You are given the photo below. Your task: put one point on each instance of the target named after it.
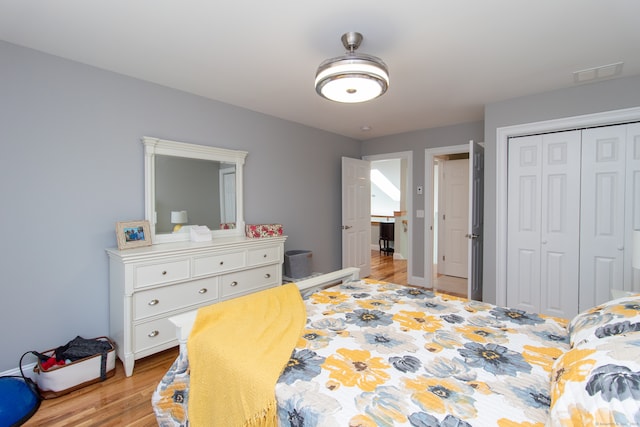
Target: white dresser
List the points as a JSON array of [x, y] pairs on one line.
[[150, 284]]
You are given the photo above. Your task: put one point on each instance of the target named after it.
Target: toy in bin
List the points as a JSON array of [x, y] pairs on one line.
[[74, 365]]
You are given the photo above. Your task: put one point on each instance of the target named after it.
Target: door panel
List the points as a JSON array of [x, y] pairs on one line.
[[632, 205], [603, 206], [544, 203], [356, 215], [523, 254], [456, 218], [476, 220], [560, 226]]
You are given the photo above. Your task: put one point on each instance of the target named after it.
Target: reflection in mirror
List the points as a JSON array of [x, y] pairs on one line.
[[196, 184], [188, 185]]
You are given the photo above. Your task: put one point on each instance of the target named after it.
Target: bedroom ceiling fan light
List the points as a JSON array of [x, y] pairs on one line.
[[353, 77]]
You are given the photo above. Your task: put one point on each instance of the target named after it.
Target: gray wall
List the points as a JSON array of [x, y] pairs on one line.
[[72, 165], [575, 101], [417, 142]]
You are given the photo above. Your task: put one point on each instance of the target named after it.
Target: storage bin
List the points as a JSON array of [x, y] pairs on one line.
[[297, 264], [60, 380], [257, 231]]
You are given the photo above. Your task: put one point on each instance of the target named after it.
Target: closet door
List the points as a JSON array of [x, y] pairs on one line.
[[523, 241], [560, 238], [543, 230], [632, 205], [602, 233]]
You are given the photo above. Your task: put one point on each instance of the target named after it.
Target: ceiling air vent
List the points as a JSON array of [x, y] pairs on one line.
[[598, 73]]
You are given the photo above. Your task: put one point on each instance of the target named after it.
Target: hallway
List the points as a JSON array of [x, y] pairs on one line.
[[384, 267]]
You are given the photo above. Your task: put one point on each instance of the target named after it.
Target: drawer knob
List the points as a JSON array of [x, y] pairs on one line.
[[153, 334], [202, 291], [153, 302], [164, 273], [266, 276], [264, 256], [221, 262], [234, 283]]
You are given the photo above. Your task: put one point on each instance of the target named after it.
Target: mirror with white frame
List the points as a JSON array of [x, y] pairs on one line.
[[188, 185]]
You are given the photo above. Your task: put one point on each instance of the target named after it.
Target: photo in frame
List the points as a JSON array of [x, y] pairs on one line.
[[133, 234]]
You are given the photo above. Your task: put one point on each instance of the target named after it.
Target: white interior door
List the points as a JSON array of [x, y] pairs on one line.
[[560, 225], [228, 195], [476, 221], [356, 215], [453, 254], [543, 223], [632, 206], [523, 239], [603, 206]]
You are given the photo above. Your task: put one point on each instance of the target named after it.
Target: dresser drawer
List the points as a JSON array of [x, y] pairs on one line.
[[218, 263], [157, 301], [150, 334], [264, 255], [247, 281], [166, 272]]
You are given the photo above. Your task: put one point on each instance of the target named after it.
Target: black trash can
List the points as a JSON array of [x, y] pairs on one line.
[[297, 264]]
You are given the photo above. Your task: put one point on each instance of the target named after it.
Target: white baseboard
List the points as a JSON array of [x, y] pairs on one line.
[[15, 372], [417, 281]]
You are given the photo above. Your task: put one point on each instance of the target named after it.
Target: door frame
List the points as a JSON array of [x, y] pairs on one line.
[[429, 155], [502, 141], [408, 156]]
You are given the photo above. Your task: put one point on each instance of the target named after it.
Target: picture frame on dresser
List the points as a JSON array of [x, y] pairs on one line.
[[133, 234]]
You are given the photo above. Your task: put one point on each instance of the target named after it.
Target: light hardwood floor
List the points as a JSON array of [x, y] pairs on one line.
[[122, 401]]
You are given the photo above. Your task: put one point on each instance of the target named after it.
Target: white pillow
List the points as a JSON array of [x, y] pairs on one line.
[[597, 383], [616, 317]]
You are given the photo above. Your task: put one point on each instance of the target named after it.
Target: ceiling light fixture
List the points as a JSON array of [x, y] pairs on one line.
[[353, 77]]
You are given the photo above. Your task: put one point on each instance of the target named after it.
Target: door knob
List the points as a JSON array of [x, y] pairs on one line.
[[346, 227]]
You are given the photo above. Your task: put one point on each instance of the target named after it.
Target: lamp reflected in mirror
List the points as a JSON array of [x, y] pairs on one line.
[[179, 218]]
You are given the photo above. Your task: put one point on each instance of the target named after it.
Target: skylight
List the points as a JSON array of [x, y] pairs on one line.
[[385, 185]]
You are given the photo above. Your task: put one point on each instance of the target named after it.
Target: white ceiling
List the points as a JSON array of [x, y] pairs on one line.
[[447, 59]]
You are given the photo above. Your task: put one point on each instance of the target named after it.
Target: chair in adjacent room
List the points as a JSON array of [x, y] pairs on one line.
[[386, 237]]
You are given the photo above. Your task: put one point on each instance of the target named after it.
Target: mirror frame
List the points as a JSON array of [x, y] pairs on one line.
[[156, 146]]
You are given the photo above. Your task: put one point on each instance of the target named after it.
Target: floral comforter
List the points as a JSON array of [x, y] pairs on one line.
[[380, 354]]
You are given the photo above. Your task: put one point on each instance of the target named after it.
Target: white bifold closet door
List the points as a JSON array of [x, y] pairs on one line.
[[544, 229], [574, 201], [610, 197]]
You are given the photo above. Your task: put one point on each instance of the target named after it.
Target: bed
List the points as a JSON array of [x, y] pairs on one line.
[[380, 354]]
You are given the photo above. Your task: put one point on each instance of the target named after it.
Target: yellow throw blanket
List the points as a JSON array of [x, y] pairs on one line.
[[237, 350]]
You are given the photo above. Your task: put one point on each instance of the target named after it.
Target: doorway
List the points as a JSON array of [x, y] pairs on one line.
[[450, 219], [399, 167], [470, 284]]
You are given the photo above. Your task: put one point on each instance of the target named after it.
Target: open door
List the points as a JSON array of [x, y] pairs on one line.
[[476, 220], [356, 215], [453, 256]]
